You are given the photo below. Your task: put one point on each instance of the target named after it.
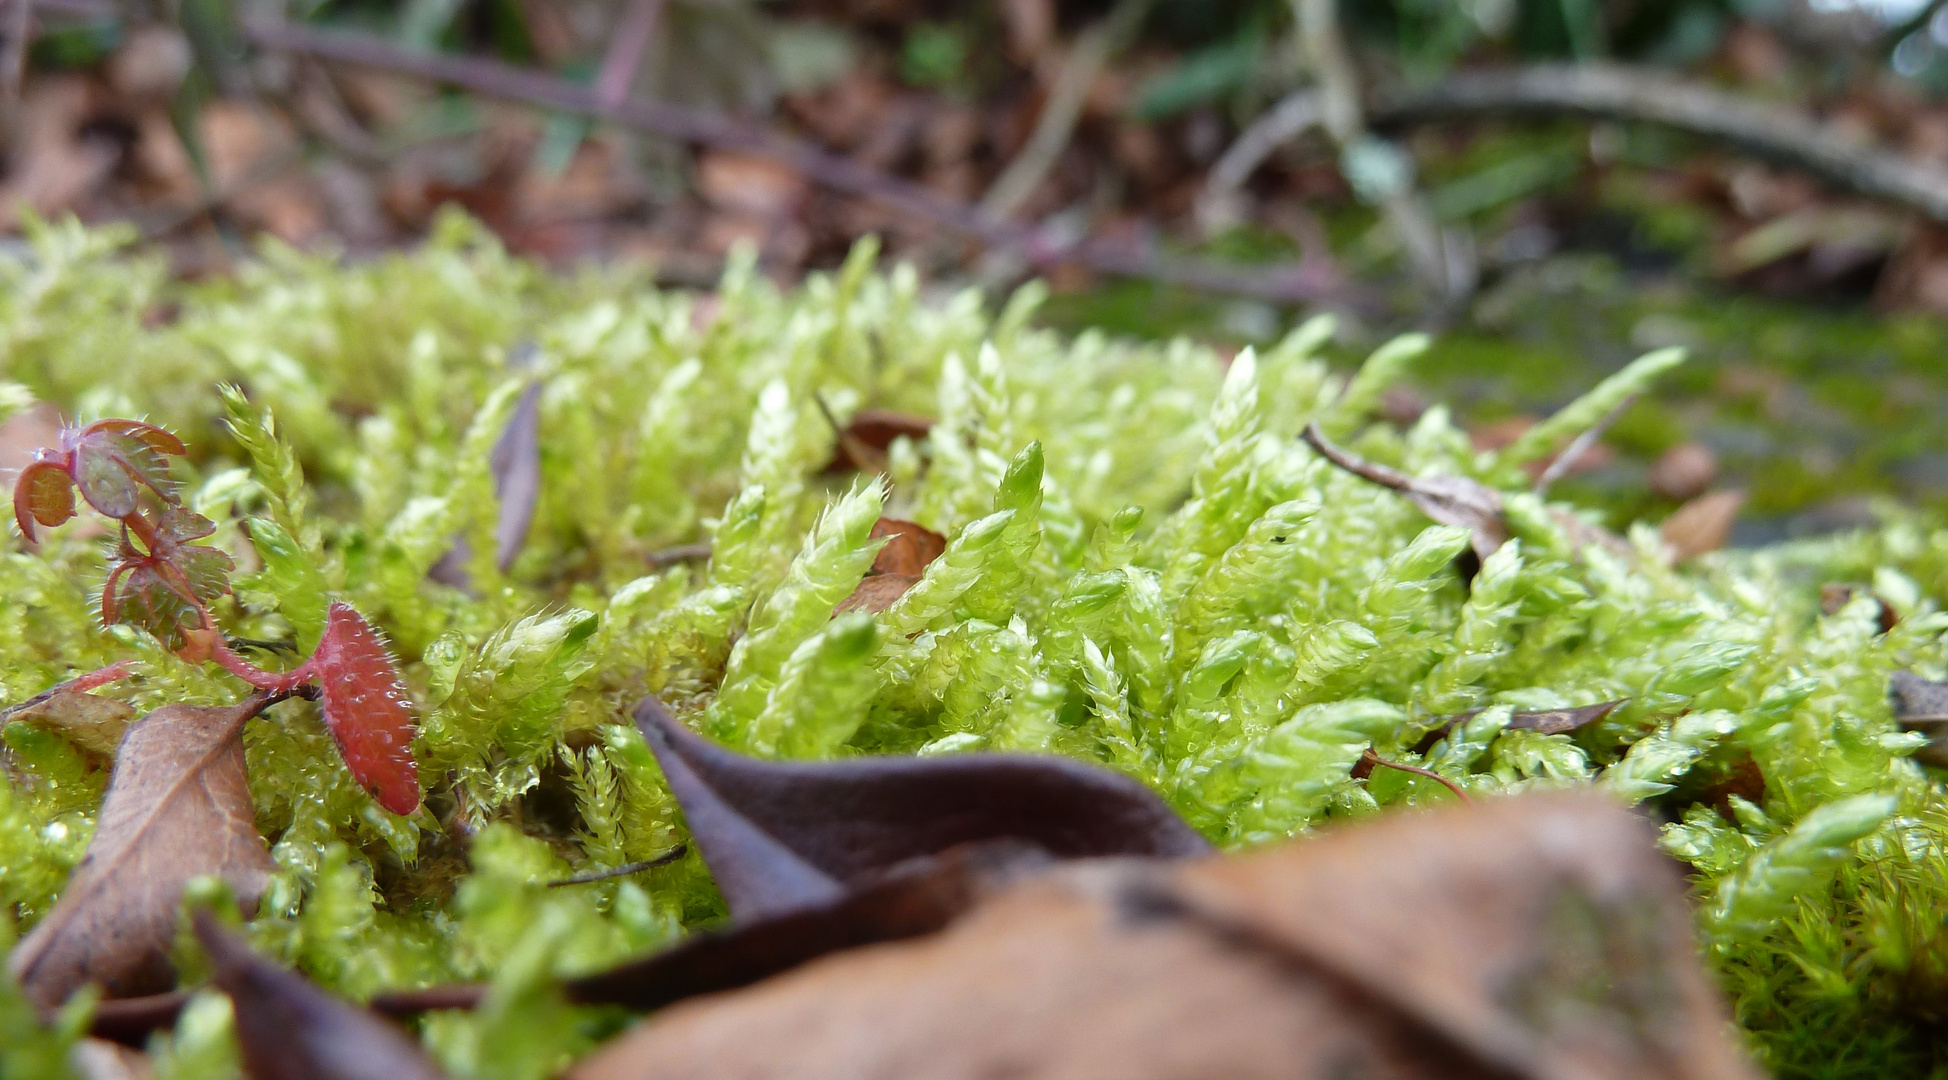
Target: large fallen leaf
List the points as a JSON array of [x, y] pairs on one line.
[[1920, 705], [290, 1029], [779, 835], [1539, 936], [178, 807]]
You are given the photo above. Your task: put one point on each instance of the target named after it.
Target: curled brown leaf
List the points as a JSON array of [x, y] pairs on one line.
[[779, 835], [290, 1029]]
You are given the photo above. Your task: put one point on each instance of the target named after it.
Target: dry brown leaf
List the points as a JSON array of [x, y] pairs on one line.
[[1920, 705], [877, 593], [1544, 722], [150, 65], [254, 161], [1701, 525], [1534, 936], [911, 548], [753, 186], [1684, 471], [93, 724], [55, 162], [178, 807], [864, 440]]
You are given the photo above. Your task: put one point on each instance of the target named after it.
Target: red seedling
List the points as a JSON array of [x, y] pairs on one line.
[[163, 581]]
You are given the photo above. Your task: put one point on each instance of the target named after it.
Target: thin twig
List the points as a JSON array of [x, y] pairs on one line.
[[1277, 283], [862, 455], [1572, 453], [625, 869], [13, 62], [1612, 92], [1294, 115], [626, 51], [681, 553], [1442, 265], [1064, 107], [1371, 759]]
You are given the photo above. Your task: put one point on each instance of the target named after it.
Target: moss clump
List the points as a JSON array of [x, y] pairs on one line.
[[1146, 567]]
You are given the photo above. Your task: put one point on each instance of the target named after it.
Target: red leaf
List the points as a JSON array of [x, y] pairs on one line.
[[162, 442], [44, 492], [365, 708], [111, 460]]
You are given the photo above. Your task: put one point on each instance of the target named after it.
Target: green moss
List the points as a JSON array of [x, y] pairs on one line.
[[1145, 568]]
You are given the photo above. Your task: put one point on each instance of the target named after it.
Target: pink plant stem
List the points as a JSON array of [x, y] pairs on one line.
[[286, 682], [114, 672]]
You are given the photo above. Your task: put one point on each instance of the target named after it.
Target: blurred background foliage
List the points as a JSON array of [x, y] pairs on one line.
[[1815, 315]]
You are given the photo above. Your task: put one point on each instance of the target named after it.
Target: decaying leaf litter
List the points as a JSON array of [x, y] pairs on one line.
[[1238, 652]]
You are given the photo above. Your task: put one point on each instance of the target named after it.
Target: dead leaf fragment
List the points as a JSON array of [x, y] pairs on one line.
[[1701, 525], [1449, 500], [911, 547], [779, 835], [93, 724], [1921, 705], [1834, 596], [1534, 936], [877, 593], [290, 1029], [861, 445], [1545, 722], [1684, 471], [516, 464], [178, 807]]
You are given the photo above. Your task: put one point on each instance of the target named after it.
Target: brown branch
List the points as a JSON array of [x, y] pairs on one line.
[[626, 51], [1610, 92], [1279, 283], [1371, 759]]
